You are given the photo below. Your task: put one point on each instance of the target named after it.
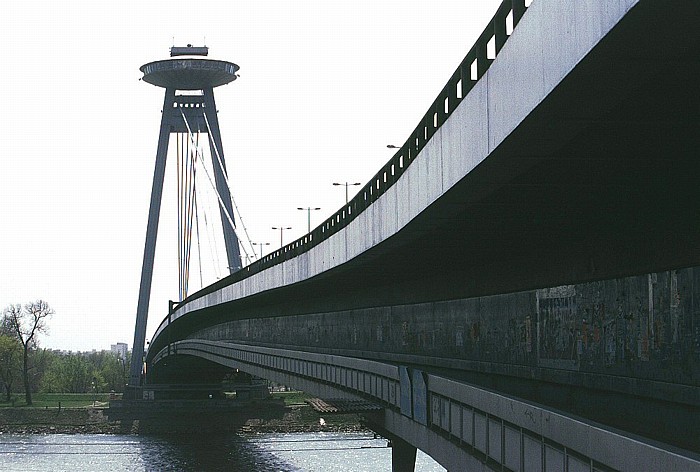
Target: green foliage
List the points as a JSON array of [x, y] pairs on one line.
[[84, 373], [113, 374], [10, 363], [71, 374], [38, 362]]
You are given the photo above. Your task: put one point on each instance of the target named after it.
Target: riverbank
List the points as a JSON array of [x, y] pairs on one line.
[[55, 421], [291, 418]]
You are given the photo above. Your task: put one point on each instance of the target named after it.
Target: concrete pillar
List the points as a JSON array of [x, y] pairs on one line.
[[403, 456]]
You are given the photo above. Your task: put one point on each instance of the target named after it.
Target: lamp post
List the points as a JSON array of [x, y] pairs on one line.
[[346, 185], [281, 228], [261, 247], [308, 210]]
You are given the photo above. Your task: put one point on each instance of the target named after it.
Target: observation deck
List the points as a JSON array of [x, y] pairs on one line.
[[189, 71]]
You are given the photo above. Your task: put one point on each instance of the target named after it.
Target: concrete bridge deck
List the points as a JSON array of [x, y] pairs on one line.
[[540, 224]]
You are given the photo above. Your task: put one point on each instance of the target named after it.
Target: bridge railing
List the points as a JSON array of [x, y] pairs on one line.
[[471, 69]]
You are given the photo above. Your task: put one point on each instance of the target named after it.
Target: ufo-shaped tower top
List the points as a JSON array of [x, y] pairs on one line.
[[187, 70]]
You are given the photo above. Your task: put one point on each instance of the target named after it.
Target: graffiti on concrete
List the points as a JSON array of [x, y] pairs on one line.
[[645, 326]]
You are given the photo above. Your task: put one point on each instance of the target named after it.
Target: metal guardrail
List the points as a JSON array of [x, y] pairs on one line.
[[506, 432], [500, 431], [376, 379], [471, 69]]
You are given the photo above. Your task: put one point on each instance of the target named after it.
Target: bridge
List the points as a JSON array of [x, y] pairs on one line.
[[518, 288]]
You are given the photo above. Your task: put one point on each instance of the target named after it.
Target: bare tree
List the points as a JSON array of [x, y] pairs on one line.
[[26, 324]]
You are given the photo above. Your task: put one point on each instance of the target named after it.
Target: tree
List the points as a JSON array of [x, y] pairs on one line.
[[9, 357], [51, 380], [78, 374], [113, 371], [26, 324], [40, 359], [83, 372], [10, 350]]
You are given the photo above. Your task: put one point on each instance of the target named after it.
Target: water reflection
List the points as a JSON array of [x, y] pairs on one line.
[[308, 452]]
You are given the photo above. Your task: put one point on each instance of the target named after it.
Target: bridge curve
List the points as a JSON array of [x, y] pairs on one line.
[[576, 169], [567, 160]]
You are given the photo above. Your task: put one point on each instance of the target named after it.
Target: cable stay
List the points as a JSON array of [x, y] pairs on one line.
[[211, 182], [213, 248], [199, 247], [233, 200], [188, 216], [198, 152], [186, 190], [209, 229]]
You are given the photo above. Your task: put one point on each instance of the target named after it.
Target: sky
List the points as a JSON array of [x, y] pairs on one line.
[[324, 87]]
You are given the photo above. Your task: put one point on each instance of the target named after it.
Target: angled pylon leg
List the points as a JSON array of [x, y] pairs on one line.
[[150, 246]]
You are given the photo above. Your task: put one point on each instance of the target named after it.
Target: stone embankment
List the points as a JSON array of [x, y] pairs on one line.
[[54, 420], [301, 418], [294, 418]]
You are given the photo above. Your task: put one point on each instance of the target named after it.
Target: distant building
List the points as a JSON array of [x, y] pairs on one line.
[[120, 349]]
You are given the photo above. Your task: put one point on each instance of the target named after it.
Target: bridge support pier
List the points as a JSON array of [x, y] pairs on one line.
[[403, 456]]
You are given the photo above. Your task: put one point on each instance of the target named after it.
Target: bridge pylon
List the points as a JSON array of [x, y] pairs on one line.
[[188, 107]]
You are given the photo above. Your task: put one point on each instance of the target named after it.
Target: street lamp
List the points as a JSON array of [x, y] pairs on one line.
[[308, 210], [346, 185], [261, 247], [281, 231]]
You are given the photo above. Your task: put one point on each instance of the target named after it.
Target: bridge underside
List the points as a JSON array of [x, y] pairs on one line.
[[185, 369]]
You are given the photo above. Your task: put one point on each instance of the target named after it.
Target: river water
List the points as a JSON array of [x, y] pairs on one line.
[[349, 452]]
